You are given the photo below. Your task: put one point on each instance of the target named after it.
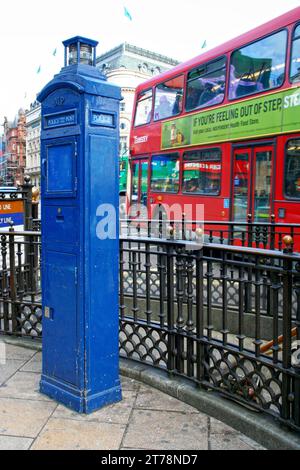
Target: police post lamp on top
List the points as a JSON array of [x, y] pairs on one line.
[[80, 50]]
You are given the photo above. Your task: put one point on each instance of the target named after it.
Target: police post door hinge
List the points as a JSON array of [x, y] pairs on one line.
[[76, 275]]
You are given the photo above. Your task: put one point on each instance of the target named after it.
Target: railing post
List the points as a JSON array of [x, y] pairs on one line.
[[5, 291], [287, 281], [27, 195], [180, 318], [250, 229], [202, 348], [272, 232], [27, 190], [170, 310], [12, 281], [248, 289]]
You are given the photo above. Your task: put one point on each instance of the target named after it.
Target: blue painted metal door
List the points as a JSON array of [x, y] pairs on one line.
[[59, 168], [60, 241], [60, 298]]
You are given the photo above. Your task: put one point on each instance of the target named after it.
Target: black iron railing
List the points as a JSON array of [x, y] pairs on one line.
[[266, 235], [225, 317], [20, 288]]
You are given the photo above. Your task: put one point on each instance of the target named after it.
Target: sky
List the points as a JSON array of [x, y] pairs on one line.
[[31, 30]]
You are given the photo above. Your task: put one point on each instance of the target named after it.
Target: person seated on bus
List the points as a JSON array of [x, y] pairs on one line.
[[177, 107], [164, 108], [192, 98], [186, 186], [191, 186], [293, 188], [194, 185], [212, 94], [242, 86], [247, 87], [212, 187]]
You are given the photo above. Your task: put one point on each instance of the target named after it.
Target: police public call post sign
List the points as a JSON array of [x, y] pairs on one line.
[[11, 212], [275, 113]]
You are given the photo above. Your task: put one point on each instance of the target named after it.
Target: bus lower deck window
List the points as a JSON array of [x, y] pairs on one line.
[[165, 173], [202, 172], [292, 169]]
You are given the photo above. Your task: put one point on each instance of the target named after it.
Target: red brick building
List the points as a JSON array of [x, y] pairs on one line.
[[14, 158]]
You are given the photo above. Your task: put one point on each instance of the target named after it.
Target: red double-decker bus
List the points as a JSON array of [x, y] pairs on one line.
[[223, 130]]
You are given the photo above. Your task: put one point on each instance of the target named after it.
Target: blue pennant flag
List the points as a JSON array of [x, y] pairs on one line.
[[54, 52], [127, 14], [39, 69], [203, 45]]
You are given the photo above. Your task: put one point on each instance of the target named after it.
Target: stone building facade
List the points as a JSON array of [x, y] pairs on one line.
[[13, 161], [33, 128]]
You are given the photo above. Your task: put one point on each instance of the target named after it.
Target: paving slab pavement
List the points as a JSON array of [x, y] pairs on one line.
[[145, 419]]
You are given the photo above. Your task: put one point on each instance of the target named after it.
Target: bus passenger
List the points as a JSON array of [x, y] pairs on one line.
[[164, 109], [192, 98], [177, 108]]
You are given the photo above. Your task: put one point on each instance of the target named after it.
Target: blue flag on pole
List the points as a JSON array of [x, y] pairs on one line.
[[39, 69], [127, 14], [54, 52], [203, 45]]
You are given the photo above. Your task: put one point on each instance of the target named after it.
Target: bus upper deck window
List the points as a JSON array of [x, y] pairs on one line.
[[168, 98], [292, 170], [295, 61], [206, 85], [259, 66], [143, 108]]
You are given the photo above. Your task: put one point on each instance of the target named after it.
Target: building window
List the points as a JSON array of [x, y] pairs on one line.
[[259, 66]]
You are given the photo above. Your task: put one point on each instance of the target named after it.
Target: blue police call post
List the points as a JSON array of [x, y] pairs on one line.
[[79, 169]]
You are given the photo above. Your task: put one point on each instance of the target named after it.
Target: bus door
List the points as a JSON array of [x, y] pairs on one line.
[[252, 183], [139, 185]]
